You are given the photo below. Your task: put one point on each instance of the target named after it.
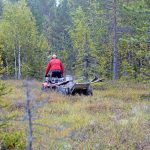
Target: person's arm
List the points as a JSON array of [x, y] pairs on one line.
[[47, 68]]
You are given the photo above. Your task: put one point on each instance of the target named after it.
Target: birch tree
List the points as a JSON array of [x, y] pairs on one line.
[[20, 39]]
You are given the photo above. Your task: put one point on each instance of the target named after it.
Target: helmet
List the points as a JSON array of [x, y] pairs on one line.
[[54, 56]]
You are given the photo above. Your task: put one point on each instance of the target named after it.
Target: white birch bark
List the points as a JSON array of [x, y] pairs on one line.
[[19, 62], [15, 63]]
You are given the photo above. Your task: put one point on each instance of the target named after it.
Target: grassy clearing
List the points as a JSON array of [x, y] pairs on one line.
[[116, 117]]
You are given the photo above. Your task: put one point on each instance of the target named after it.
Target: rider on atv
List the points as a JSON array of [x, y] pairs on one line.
[[55, 66]]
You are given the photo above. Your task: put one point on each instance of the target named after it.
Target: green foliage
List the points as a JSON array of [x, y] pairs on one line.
[[13, 141], [80, 32], [4, 105], [3, 90], [22, 41], [82, 43], [2, 69], [134, 46], [1, 7]]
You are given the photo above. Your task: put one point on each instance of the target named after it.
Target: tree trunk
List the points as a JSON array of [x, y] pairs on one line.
[[115, 53], [29, 113], [19, 63], [7, 70], [15, 63], [85, 58]]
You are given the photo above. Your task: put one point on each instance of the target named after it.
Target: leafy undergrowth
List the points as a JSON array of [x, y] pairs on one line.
[[117, 116]]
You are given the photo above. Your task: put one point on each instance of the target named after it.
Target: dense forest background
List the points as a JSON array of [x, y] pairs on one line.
[[108, 38]]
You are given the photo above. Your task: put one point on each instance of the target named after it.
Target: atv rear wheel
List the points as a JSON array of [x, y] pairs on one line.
[[89, 91]]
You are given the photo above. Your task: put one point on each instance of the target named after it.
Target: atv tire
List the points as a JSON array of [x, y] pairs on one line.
[[89, 91]]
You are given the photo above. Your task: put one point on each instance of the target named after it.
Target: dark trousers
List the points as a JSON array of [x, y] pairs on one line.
[[56, 73]]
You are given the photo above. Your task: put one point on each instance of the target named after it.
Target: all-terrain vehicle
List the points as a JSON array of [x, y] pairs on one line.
[[68, 85]]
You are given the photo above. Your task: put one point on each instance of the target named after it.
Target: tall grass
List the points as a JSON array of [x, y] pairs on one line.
[[115, 117]]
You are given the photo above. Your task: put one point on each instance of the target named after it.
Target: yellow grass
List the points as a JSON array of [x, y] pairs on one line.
[[115, 117]]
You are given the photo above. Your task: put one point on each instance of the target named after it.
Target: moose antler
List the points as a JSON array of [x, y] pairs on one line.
[[96, 79]]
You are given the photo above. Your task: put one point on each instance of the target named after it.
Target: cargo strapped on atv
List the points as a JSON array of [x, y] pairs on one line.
[[68, 86]]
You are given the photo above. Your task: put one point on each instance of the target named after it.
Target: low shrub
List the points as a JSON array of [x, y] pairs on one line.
[[12, 141]]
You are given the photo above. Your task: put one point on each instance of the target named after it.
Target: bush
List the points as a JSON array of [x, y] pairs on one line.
[[12, 141]]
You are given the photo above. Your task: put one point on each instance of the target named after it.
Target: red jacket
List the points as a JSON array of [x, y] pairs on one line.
[[54, 64]]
